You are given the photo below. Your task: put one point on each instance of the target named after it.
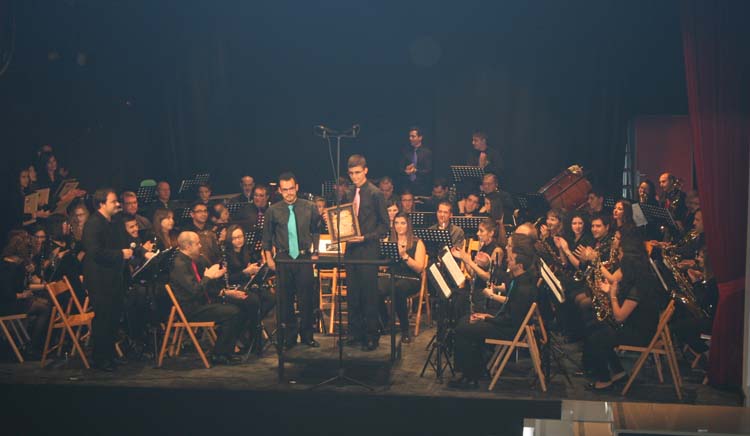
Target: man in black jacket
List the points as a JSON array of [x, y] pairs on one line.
[[362, 296], [471, 332], [198, 289], [103, 275]]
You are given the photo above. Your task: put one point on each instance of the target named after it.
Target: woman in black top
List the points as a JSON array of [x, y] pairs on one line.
[[634, 309], [15, 297], [489, 254], [406, 273]]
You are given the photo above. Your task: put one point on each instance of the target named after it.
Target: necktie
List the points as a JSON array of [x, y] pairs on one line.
[[356, 202], [199, 278], [291, 227], [413, 176]]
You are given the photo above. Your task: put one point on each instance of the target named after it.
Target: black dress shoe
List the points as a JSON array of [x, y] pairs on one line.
[[225, 359], [370, 345], [464, 384], [352, 341], [311, 343], [405, 338]]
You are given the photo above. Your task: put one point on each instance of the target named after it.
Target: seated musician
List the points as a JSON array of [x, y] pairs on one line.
[[505, 322], [622, 217], [406, 202], [647, 193], [549, 235], [247, 183], [469, 205], [439, 193], [320, 203], [386, 187], [693, 204], [251, 214], [503, 204], [63, 261], [242, 264], [130, 207], [209, 240], [444, 214], [688, 246], [392, 208], [165, 235], [406, 273], [16, 295], [635, 315], [601, 251], [576, 234], [595, 203], [338, 195], [488, 259], [219, 215], [78, 215], [687, 325], [198, 288], [204, 193], [672, 198]]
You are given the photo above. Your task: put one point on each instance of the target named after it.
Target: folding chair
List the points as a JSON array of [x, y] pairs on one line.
[[65, 320], [424, 299], [525, 338], [336, 288], [326, 300], [177, 328], [15, 322], [660, 344]]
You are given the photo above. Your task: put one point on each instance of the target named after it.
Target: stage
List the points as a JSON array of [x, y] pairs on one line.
[[189, 397]]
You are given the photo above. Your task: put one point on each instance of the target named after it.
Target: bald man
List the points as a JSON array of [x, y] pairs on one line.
[[198, 288]]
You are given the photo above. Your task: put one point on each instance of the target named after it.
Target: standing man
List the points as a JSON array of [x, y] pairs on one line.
[[483, 156], [293, 228], [369, 205], [103, 275], [416, 163], [247, 183]]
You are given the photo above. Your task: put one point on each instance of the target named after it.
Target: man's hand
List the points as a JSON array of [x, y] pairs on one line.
[[458, 253], [148, 246], [356, 240], [479, 316], [214, 271], [488, 292], [271, 263], [148, 255], [235, 294], [127, 253]]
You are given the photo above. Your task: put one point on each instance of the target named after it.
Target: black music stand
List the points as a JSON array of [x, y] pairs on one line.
[[469, 224], [147, 276], [434, 239], [189, 186], [655, 214], [439, 357], [146, 194], [233, 208], [422, 219], [389, 250], [463, 173]]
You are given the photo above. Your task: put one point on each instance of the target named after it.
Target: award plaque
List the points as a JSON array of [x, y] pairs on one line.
[[343, 219]]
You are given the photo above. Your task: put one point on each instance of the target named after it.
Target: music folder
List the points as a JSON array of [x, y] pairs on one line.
[[437, 278], [450, 264]]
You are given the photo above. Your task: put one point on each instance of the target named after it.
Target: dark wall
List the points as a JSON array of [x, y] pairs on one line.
[[170, 88]]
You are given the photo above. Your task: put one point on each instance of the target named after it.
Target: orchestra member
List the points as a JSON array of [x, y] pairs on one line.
[[130, 207], [198, 288], [501, 203], [634, 311], [576, 235], [103, 275], [204, 193], [247, 183], [595, 203], [165, 235], [489, 255], [209, 240], [672, 198], [362, 297], [338, 195], [483, 156], [392, 208], [622, 217], [219, 215], [415, 164], [386, 187], [444, 214], [692, 203], [320, 203], [292, 228], [406, 273], [503, 323], [406, 201], [136, 300], [439, 193], [469, 205], [647, 193]]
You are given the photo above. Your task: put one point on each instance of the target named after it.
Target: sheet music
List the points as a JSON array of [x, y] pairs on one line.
[[435, 273], [145, 264], [452, 267], [554, 284], [638, 217]]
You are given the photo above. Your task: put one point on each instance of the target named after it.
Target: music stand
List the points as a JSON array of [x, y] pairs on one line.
[[434, 239], [469, 224], [389, 250], [233, 208], [462, 173], [609, 202], [189, 186], [422, 219], [655, 214], [146, 194]]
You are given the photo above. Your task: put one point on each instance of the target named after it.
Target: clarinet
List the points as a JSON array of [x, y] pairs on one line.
[[225, 264]]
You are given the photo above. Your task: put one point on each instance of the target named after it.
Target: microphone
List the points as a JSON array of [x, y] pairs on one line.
[[355, 130]]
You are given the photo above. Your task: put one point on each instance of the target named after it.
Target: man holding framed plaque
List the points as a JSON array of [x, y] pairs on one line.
[[292, 227], [369, 208]]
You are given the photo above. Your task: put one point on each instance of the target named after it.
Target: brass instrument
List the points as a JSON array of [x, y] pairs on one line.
[[684, 294], [600, 301]]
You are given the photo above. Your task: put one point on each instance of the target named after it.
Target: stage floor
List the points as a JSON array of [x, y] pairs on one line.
[[307, 366]]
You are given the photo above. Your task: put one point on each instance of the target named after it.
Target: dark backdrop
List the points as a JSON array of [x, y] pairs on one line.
[[173, 87]]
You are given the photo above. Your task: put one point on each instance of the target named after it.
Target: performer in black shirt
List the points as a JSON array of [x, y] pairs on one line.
[[672, 198], [489, 255], [103, 276], [406, 274], [415, 164], [242, 264], [647, 193], [362, 297], [634, 308], [209, 240], [293, 229], [473, 330], [483, 156]]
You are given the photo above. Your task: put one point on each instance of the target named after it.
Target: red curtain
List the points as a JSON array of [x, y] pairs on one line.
[[715, 45]]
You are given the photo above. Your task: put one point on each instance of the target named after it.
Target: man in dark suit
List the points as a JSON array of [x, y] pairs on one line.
[[362, 297], [198, 289], [415, 164], [103, 275]]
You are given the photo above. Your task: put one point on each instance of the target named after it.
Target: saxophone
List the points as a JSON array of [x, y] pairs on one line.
[[600, 301], [684, 294]]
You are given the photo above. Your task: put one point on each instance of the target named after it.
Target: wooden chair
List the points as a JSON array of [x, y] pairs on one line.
[[325, 300], [177, 328], [14, 321], [337, 288], [423, 299], [660, 344], [525, 338], [65, 319]]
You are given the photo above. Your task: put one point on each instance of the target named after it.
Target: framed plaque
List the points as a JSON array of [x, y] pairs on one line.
[[343, 219]]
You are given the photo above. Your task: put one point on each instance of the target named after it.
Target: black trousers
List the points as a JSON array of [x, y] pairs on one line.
[[108, 305], [599, 349], [38, 310], [362, 301], [137, 311], [231, 318], [469, 342], [402, 289], [296, 280]]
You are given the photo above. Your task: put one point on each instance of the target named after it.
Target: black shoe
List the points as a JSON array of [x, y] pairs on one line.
[[120, 361], [464, 384], [405, 338], [311, 343], [225, 359], [592, 387], [370, 345], [107, 366], [352, 341]]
